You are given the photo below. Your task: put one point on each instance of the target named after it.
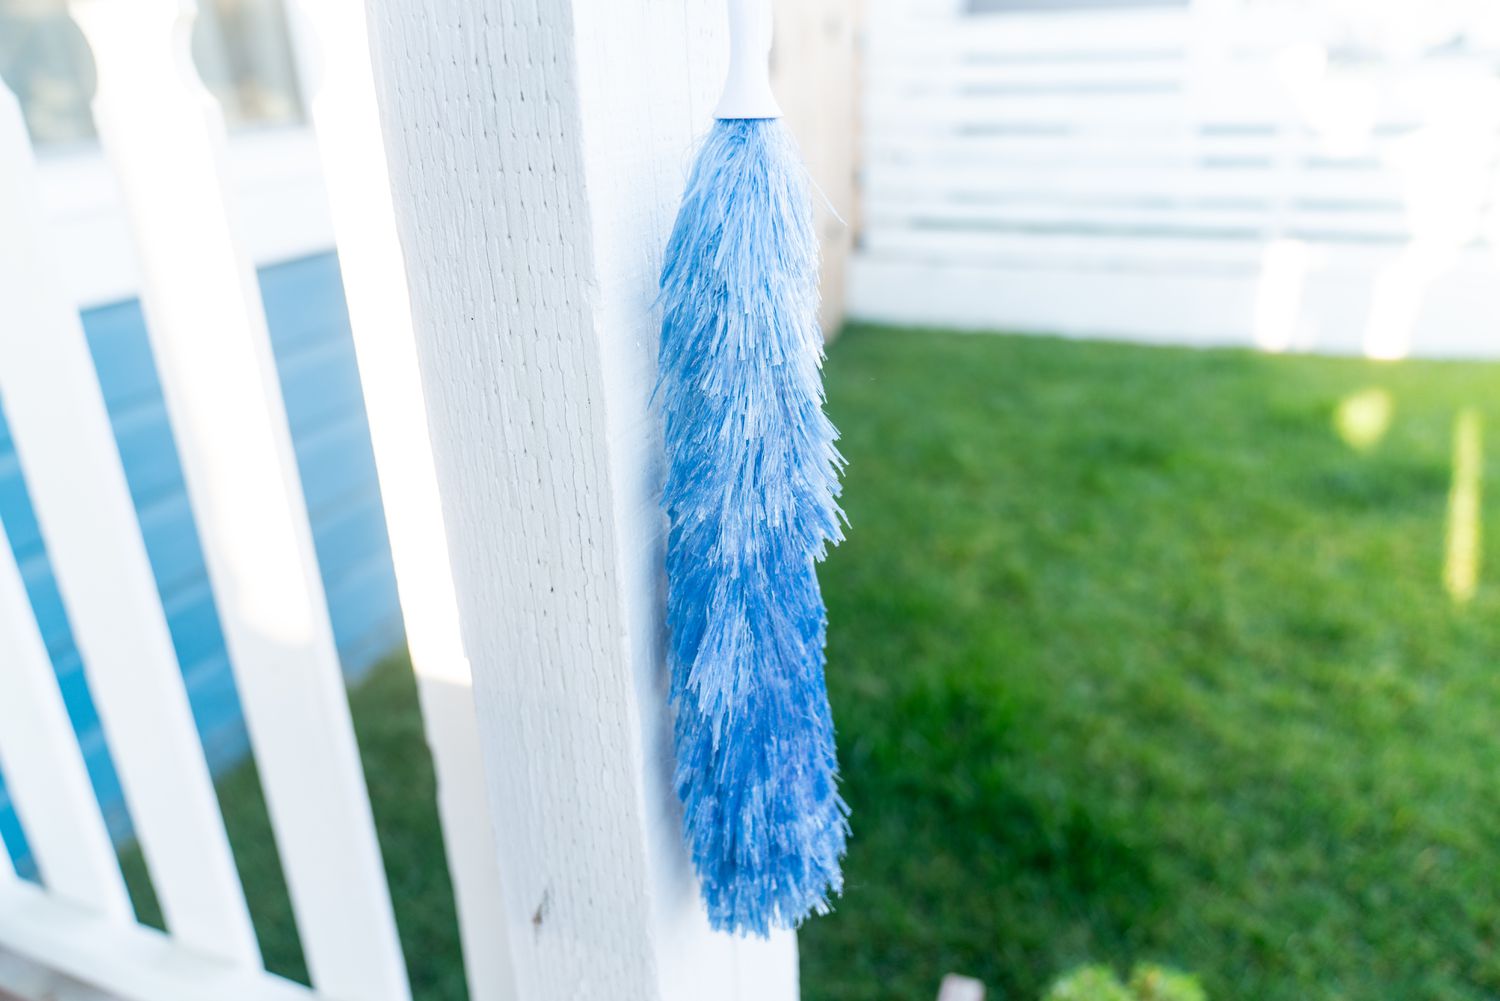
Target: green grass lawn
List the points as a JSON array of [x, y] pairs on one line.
[[1134, 657]]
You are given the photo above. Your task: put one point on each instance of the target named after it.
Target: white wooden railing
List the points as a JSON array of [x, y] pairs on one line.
[[1289, 174], [536, 160]]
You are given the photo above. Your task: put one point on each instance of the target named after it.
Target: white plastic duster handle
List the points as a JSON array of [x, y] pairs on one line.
[[747, 90]]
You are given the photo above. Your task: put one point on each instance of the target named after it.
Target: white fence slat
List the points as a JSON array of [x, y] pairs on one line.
[[43, 766], [280, 210], [164, 138], [39, 753], [72, 468], [347, 120], [121, 961], [537, 152]]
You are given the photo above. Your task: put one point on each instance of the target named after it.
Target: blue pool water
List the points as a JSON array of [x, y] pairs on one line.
[[315, 357]]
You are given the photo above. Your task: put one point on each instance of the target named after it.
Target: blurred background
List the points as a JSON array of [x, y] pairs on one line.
[[1164, 635], [1312, 176]]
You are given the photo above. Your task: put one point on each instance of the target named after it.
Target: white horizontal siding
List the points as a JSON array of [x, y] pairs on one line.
[[1220, 173]]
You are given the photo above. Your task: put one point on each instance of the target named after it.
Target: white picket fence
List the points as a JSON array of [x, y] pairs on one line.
[[163, 140], [549, 752], [1310, 175]]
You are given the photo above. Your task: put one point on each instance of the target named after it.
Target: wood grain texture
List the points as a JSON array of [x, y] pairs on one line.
[[537, 151], [334, 36], [813, 70]]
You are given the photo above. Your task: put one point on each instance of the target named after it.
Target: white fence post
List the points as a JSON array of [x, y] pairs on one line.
[[164, 138], [814, 73], [338, 75], [537, 152], [72, 468]]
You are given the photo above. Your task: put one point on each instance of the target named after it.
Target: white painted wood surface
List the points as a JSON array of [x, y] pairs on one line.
[[122, 961], [24, 980], [73, 472], [1218, 173], [165, 140], [43, 766], [277, 201], [340, 80], [537, 152], [813, 73]]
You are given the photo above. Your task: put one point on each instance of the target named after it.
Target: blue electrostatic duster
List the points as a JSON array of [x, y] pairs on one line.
[[752, 477]]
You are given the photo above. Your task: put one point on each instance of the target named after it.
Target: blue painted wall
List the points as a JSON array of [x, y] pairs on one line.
[[315, 356]]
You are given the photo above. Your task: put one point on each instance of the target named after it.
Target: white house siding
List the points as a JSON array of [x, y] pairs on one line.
[[1313, 175]]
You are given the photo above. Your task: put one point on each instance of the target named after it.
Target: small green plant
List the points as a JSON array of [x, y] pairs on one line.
[[1147, 983], [1157, 983], [1090, 983]]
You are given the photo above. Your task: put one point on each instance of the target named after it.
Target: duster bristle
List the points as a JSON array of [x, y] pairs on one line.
[[752, 479]]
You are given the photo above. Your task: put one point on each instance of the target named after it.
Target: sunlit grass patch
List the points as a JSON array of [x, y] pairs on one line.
[[1151, 655]]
